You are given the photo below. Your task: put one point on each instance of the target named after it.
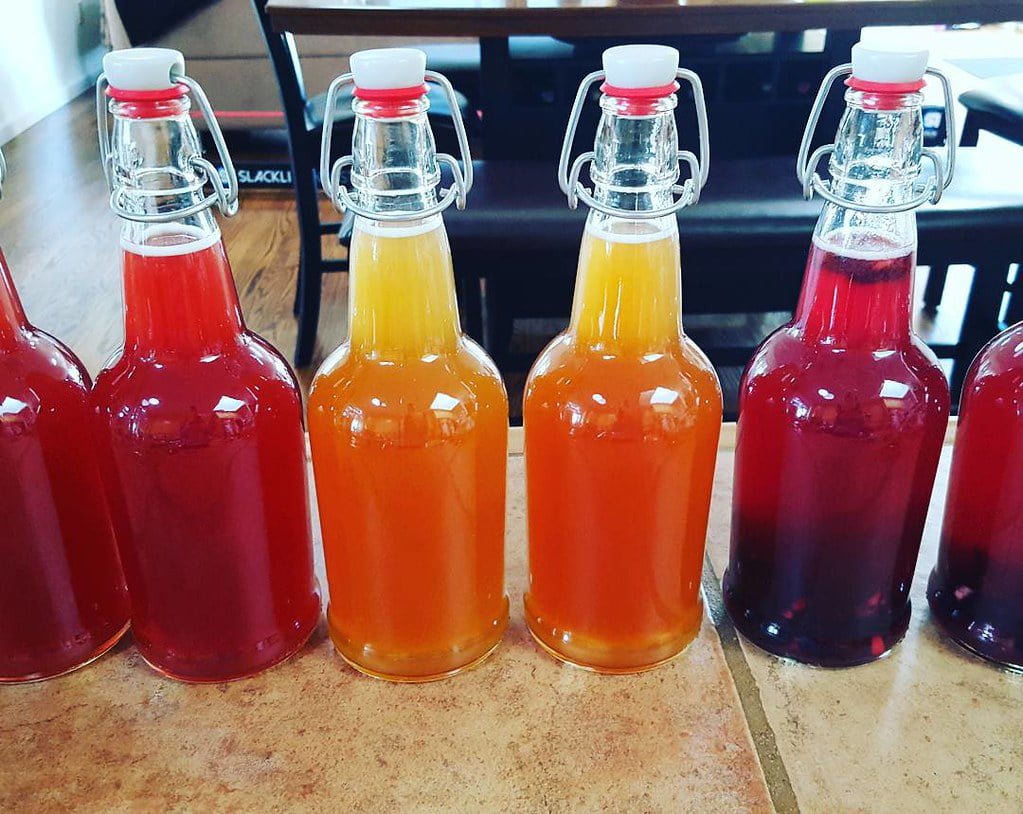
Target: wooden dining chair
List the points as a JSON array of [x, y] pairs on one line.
[[304, 119]]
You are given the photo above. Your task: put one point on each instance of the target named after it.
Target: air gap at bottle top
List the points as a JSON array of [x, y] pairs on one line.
[[199, 419]]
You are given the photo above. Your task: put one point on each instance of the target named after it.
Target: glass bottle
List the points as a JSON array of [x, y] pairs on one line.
[[976, 588], [622, 411], [200, 420], [63, 601], [408, 418], [842, 411]]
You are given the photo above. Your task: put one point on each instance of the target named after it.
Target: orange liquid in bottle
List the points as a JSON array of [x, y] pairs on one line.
[[408, 424], [622, 417]]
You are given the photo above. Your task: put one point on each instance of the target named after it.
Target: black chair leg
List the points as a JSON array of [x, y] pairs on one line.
[[971, 131], [1014, 313], [935, 289], [980, 322], [310, 269]]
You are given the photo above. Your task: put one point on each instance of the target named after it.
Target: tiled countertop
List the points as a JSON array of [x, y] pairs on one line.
[[722, 728]]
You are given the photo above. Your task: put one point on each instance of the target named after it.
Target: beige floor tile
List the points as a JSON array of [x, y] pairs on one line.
[[520, 733], [930, 728]]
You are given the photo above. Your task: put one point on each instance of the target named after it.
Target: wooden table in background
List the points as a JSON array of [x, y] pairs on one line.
[[619, 18]]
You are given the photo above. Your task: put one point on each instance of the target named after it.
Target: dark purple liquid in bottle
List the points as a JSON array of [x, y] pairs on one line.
[[976, 588], [842, 416]]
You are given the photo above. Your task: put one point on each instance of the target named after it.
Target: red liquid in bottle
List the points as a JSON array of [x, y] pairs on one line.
[[62, 596], [205, 465], [842, 416], [976, 588]]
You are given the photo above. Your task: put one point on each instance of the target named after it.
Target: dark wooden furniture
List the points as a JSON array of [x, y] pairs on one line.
[[516, 216], [743, 247], [639, 18], [304, 119], [995, 105]]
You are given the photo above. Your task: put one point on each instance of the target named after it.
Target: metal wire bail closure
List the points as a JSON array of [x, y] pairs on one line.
[[330, 176], [929, 191], [688, 192], [224, 194], [3, 172]]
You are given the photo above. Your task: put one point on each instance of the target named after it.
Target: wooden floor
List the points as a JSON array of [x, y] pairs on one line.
[[61, 242]]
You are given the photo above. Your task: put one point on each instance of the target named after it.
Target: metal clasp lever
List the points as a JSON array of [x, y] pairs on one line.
[[224, 195], [330, 176], [3, 172], [928, 192], [688, 192]]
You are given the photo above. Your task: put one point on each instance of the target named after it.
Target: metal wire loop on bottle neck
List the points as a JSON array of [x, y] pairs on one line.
[[339, 195], [688, 191], [224, 194], [929, 191], [3, 173]]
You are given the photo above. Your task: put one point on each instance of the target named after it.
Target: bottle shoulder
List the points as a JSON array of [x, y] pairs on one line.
[[816, 382], [250, 373], [566, 367], [639, 397], [413, 402], [39, 360], [42, 383], [345, 374]]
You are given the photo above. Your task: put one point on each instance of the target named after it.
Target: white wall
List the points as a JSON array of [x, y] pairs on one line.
[[50, 51]]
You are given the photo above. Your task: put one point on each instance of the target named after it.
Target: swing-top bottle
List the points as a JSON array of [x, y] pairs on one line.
[[199, 419], [408, 418], [622, 411]]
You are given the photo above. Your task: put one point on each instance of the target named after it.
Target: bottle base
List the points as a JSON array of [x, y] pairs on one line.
[[236, 674], [416, 669], [776, 637], [978, 638], [600, 657], [95, 654]]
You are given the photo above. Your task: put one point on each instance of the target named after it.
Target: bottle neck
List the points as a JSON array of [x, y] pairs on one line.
[[13, 324], [394, 156], [857, 291], [628, 289], [628, 295], [858, 285], [179, 294], [401, 290]]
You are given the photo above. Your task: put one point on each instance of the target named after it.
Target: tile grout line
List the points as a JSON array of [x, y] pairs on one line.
[[779, 786]]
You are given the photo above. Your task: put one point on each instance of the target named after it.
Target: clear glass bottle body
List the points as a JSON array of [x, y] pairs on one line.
[[842, 413], [622, 415], [63, 600], [200, 425], [976, 587], [408, 421]]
